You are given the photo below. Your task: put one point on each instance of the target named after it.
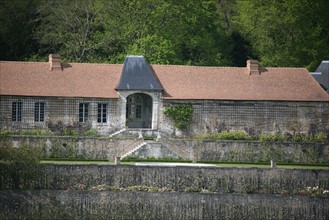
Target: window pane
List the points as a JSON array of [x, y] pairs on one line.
[[81, 112], [16, 113], [104, 112], [101, 113], [13, 111], [86, 112], [19, 111], [138, 111], [36, 111], [42, 112]]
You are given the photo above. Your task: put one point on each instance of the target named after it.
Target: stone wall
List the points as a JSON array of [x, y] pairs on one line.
[[59, 113], [249, 151], [50, 204], [180, 178], [255, 117], [233, 151], [75, 147]]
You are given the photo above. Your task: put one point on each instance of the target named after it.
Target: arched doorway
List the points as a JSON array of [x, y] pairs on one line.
[[139, 111]]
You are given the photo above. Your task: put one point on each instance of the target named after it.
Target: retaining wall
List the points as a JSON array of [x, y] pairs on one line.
[[50, 204], [234, 151], [180, 178]]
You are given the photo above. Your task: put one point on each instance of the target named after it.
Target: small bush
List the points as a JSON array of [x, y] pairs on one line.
[[233, 135], [92, 133], [268, 137], [225, 135], [320, 137], [265, 137], [69, 132], [150, 138]]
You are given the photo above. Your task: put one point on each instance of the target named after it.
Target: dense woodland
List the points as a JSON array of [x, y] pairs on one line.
[[188, 32]]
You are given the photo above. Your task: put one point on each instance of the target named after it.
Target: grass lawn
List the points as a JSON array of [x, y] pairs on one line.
[[235, 165]]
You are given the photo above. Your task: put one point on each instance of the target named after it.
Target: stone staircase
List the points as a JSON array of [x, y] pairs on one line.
[[154, 149], [133, 150], [117, 132]]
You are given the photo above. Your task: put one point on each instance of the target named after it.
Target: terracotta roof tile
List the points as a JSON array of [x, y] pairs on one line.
[[75, 80], [179, 82], [226, 83]]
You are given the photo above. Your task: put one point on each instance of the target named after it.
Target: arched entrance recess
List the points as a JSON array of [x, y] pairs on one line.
[[139, 111]]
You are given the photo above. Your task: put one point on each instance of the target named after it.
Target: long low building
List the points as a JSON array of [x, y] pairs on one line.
[[133, 95]]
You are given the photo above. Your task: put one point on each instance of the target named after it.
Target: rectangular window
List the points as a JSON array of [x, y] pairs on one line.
[[16, 111], [39, 111], [138, 111], [83, 112], [101, 113]]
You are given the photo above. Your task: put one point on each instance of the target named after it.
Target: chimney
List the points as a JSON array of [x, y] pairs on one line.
[[55, 62], [252, 67]]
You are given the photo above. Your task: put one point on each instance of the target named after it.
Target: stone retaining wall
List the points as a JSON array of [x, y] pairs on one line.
[[57, 204], [180, 178], [233, 151]]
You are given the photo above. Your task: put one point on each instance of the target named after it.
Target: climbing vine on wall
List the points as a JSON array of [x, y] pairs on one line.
[[180, 114]]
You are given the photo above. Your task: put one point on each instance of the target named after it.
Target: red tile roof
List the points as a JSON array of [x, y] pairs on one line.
[[75, 80], [179, 82]]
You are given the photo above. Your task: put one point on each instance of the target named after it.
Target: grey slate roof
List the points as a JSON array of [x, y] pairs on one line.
[[321, 75], [137, 74]]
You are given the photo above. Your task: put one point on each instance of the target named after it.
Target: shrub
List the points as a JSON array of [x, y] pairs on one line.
[[265, 137], [268, 137], [69, 132], [225, 135], [320, 137], [93, 132], [22, 164], [233, 135]]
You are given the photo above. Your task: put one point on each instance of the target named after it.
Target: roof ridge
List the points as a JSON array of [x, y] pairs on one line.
[[214, 67], [63, 62], [283, 67], [112, 64], [12, 61]]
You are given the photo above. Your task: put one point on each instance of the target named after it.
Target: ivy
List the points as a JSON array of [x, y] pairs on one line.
[[180, 114]]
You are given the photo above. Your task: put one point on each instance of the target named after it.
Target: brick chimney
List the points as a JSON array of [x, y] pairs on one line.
[[252, 67], [55, 62]]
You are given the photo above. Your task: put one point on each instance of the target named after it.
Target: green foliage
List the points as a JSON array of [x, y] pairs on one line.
[[226, 135], [268, 137], [23, 155], [319, 137], [21, 164], [150, 138], [181, 115], [36, 132], [93, 132], [69, 132], [4, 134], [298, 38]]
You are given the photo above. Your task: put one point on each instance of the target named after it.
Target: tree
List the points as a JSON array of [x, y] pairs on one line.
[[176, 32], [286, 33], [16, 28], [72, 28]]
